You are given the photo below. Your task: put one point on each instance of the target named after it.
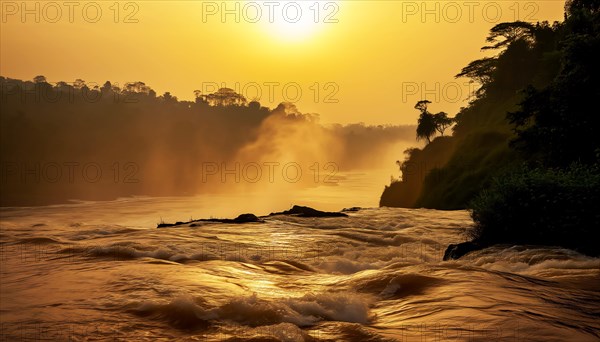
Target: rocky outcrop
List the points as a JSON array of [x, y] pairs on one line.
[[243, 218], [297, 210], [455, 251], [301, 211]]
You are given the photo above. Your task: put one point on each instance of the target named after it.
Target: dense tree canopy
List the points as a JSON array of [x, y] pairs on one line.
[[534, 106]]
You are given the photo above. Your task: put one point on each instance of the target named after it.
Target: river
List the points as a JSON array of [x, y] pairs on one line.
[[90, 271]]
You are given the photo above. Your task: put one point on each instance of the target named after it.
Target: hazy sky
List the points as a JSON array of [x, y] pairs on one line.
[[366, 61]]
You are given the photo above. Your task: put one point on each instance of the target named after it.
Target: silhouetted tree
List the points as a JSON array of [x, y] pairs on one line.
[[442, 122], [137, 87], [576, 6], [107, 87], [481, 70], [426, 127], [168, 98], [39, 79], [429, 124], [555, 123], [79, 83], [505, 34], [255, 105], [225, 97], [422, 105]]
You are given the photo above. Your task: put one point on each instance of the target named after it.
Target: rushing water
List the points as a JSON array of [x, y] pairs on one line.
[[102, 271]]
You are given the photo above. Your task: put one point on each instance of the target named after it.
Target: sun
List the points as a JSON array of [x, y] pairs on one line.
[[293, 21]]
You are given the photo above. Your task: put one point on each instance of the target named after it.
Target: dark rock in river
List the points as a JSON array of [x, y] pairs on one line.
[[296, 210], [455, 251], [301, 211], [243, 218]]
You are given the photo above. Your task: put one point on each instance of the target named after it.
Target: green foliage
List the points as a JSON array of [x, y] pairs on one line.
[[477, 158], [524, 152], [418, 163], [555, 123], [527, 55], [541, 206]]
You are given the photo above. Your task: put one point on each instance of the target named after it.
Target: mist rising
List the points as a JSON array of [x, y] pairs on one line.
[[63, 141]]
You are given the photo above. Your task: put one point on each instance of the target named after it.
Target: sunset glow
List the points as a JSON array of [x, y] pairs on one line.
[[191, 45], [299, 171], [299, 21]]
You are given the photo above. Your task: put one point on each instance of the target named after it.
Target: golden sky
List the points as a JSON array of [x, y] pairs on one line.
[[350, 61]]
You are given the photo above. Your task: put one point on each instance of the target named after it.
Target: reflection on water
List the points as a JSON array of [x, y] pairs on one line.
[[95, 271]]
